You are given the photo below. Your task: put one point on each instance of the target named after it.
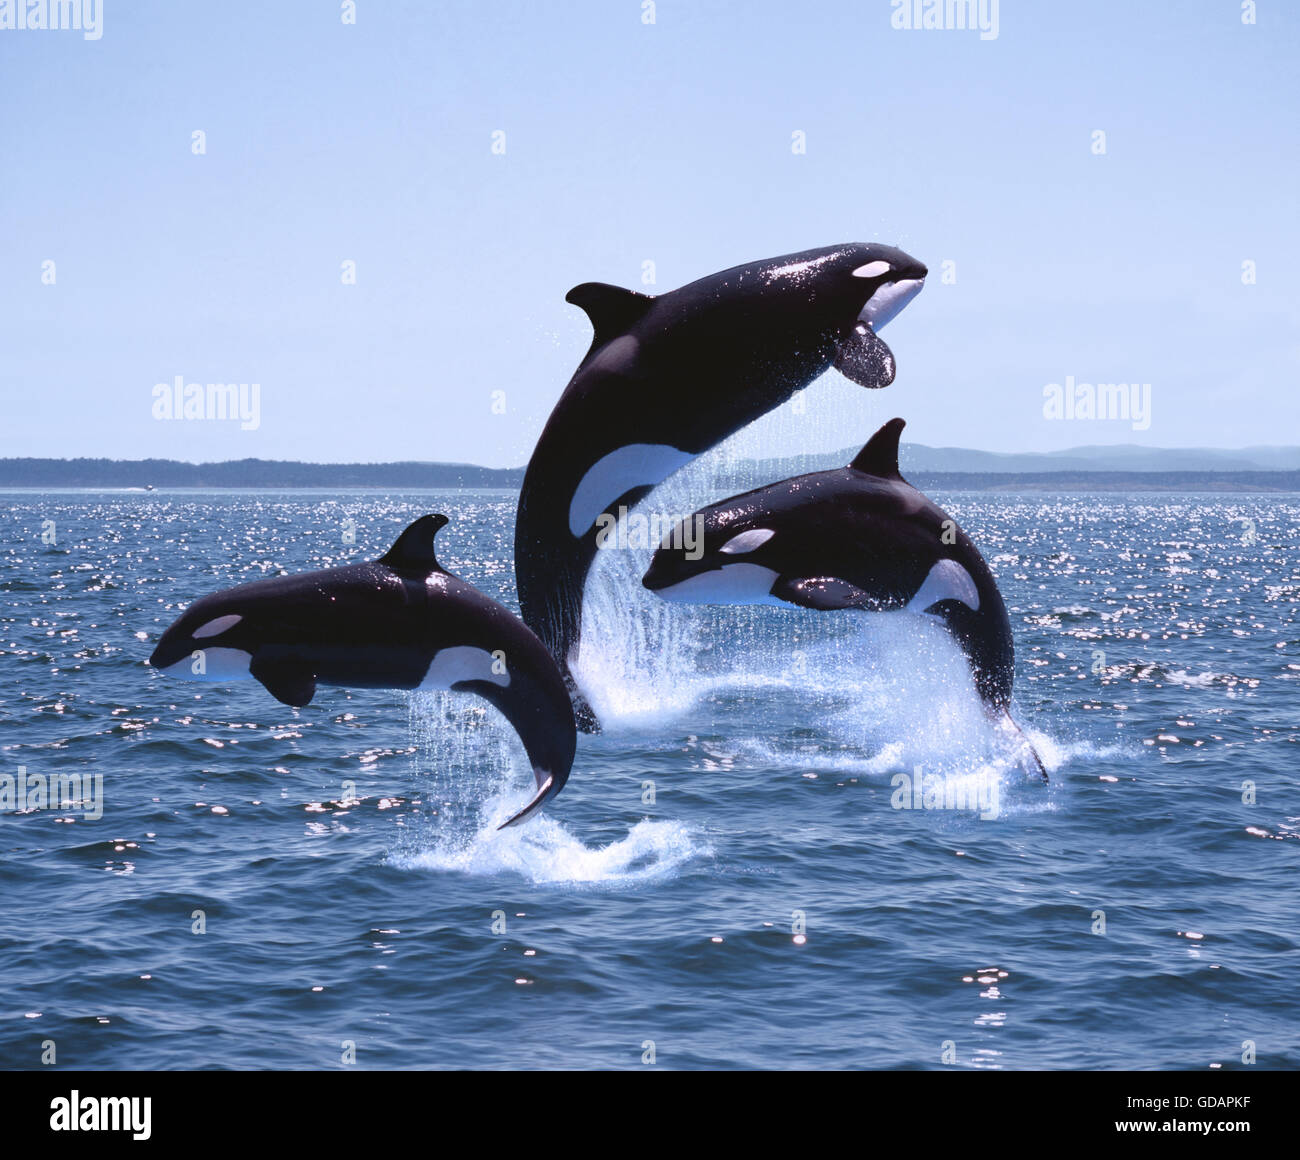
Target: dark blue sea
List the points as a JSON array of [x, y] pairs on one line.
[[729, 880]]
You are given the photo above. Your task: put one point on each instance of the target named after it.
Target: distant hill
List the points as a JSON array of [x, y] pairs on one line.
[[1112, 469], [1107, 481], [1116, 457], [261, 473], [1126, 458]]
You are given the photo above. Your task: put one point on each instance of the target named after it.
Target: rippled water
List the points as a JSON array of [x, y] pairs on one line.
[[725, 877]]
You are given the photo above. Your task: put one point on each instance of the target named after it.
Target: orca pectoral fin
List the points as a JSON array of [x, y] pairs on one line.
[[824, 593], [287, 681], [546, 789], [1027, 747], [863, 358], [537, 705]]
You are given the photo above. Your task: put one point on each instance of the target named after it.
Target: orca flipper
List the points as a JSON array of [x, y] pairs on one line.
[[864, 359], [824, 593], [537, 705], [545, 791], [1027, 746], [287, 681], [584, 716]]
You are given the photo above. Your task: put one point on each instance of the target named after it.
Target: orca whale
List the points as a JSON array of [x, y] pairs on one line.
[[399, 622], [857, 537], [669, 377]]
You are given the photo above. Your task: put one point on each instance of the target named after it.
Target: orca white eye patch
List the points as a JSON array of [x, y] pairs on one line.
[[872, 269], [218, 626], [747, 541]]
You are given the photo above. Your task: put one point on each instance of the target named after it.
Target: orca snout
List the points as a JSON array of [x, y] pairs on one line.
[[201, 627], [895, 278], [173, 645], [668, 567], [910, 270]]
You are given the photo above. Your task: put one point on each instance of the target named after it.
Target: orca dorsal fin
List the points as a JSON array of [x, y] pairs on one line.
[[612, 309], [412, 551], [880, 455]]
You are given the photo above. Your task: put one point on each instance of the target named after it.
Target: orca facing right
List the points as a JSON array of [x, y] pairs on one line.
[[671, 376]]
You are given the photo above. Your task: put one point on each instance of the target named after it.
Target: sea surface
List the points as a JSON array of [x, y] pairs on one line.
[[730, 878]]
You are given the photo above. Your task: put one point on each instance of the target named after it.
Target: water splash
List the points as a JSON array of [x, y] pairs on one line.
[[476, 774], [643, 660], [877, 693], [466, 754], [545, 852]]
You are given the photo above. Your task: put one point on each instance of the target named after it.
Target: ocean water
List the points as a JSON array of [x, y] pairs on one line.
[[729, 879]]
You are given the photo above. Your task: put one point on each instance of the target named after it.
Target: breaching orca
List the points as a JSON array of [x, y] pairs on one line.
[[858, 537], [399, 622], [669, 377]]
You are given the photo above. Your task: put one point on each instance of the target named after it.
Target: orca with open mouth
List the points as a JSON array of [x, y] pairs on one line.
[[857, 537], [399, 622], [669, 377]]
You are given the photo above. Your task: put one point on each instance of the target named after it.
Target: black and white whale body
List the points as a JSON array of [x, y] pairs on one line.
[[399, 622], [669, 377], [858, 537]]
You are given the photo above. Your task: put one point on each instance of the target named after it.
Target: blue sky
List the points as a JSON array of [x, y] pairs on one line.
[[628, 142]]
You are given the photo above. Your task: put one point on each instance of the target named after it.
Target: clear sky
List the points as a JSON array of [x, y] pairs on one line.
[[628, 142]]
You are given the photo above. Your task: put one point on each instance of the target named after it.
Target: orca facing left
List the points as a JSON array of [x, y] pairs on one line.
[[858, 537], [669, 377], [399, 622]]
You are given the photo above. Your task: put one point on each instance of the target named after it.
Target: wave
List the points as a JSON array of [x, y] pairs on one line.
[[544, 852]]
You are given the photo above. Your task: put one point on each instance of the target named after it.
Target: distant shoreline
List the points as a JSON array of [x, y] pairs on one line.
[[248, 473], [258, 474]]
